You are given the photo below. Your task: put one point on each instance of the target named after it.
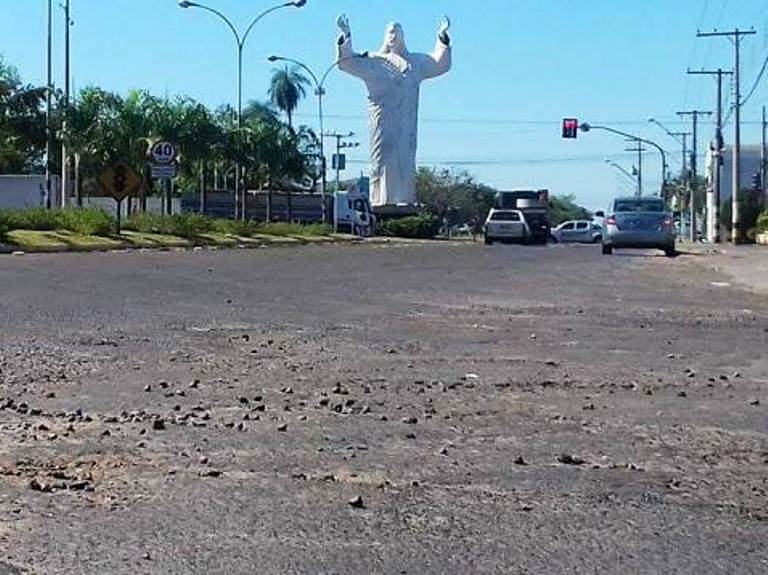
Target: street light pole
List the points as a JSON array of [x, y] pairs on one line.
[[48, 99], [622, 170], [319, 92], [64, 149], [241, 41]]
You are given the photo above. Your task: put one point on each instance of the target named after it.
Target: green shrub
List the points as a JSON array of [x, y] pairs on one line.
[[234, 227], [762, 223], [288, 229], [80, 221], [4, 227], [422, 226], [144, 223], [92, 222], [190, 225], [193, 225], [38, 219], [184, 225]]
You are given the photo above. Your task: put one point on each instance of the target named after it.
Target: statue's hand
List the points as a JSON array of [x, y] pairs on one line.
[[444, 25], [343, 23]]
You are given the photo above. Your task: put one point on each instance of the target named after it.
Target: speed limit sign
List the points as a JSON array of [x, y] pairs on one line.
[[163, 153]]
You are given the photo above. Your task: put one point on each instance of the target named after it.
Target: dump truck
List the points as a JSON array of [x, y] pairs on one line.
[[534, 204]]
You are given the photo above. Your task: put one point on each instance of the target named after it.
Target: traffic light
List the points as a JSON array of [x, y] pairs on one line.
[[570, 128], [756, 182]]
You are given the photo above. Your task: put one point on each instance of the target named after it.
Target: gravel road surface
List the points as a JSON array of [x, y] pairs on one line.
[[409, 409]]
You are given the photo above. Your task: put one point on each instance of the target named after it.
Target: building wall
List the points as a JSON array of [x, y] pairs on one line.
[[19, 192], [750, 165]]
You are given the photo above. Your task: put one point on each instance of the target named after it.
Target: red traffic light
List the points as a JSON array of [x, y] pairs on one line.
[[570, 128]]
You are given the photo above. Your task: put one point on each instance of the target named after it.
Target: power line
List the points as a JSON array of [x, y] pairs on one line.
[[512, 162], [757, 82]]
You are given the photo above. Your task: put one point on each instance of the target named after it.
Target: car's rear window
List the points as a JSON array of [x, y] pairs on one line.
[[505, 217], [638, 206]]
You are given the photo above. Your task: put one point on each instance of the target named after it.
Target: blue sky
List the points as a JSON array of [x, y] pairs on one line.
[[519, 67]]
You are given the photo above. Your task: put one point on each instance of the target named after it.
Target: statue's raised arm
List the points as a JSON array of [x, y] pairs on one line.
[[439, 62], [348, 60], [442, 32], [344, 31]]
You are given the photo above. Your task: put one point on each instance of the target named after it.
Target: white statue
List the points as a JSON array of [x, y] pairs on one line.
[[393, 77]]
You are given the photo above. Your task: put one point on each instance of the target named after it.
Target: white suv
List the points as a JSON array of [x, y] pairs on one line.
[[506, 225]]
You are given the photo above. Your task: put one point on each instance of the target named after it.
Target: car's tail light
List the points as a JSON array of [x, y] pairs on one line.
[[611, 221], [668, 223]]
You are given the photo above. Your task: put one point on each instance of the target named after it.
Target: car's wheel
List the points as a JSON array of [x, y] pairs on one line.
[[670, 251], [597, 239], [607, 250], [488, 240]]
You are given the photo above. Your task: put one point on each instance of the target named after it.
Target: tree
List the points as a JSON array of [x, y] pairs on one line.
[[564, 208], [750, 207], [287, 88], [22, 123], [453, 195]]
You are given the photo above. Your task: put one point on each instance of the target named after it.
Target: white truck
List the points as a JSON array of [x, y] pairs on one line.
[[352, 211]]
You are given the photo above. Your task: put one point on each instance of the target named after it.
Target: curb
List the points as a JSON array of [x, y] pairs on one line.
[[260, 242]]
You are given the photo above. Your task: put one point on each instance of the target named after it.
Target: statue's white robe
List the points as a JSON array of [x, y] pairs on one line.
[[393, 83]]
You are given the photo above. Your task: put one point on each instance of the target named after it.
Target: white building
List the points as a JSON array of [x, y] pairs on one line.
[[750, 165]]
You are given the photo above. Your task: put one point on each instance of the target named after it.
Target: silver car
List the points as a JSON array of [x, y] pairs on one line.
[[581, 231], [639, 223]]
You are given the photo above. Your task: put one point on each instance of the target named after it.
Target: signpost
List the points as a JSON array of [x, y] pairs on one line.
[[163, 164], [119, 182]]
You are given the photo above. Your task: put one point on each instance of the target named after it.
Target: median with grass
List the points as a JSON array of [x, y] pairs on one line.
[[40, 230]]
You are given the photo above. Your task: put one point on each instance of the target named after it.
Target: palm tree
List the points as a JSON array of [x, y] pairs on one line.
[[256, 109], [287, 88]]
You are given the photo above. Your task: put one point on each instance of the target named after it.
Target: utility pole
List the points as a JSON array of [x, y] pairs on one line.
[[64, 151], [680, 137], [639, 149], [48, 101], [736, 36], [340, 145], [763, 161], [713, 197], [693, 180]]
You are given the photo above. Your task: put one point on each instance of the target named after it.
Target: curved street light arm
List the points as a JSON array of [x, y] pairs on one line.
[[260, 16], [667, 130], [621, 169], [215, 12]]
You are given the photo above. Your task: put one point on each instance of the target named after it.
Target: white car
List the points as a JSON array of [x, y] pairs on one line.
[[581, 231], [505, 225]]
